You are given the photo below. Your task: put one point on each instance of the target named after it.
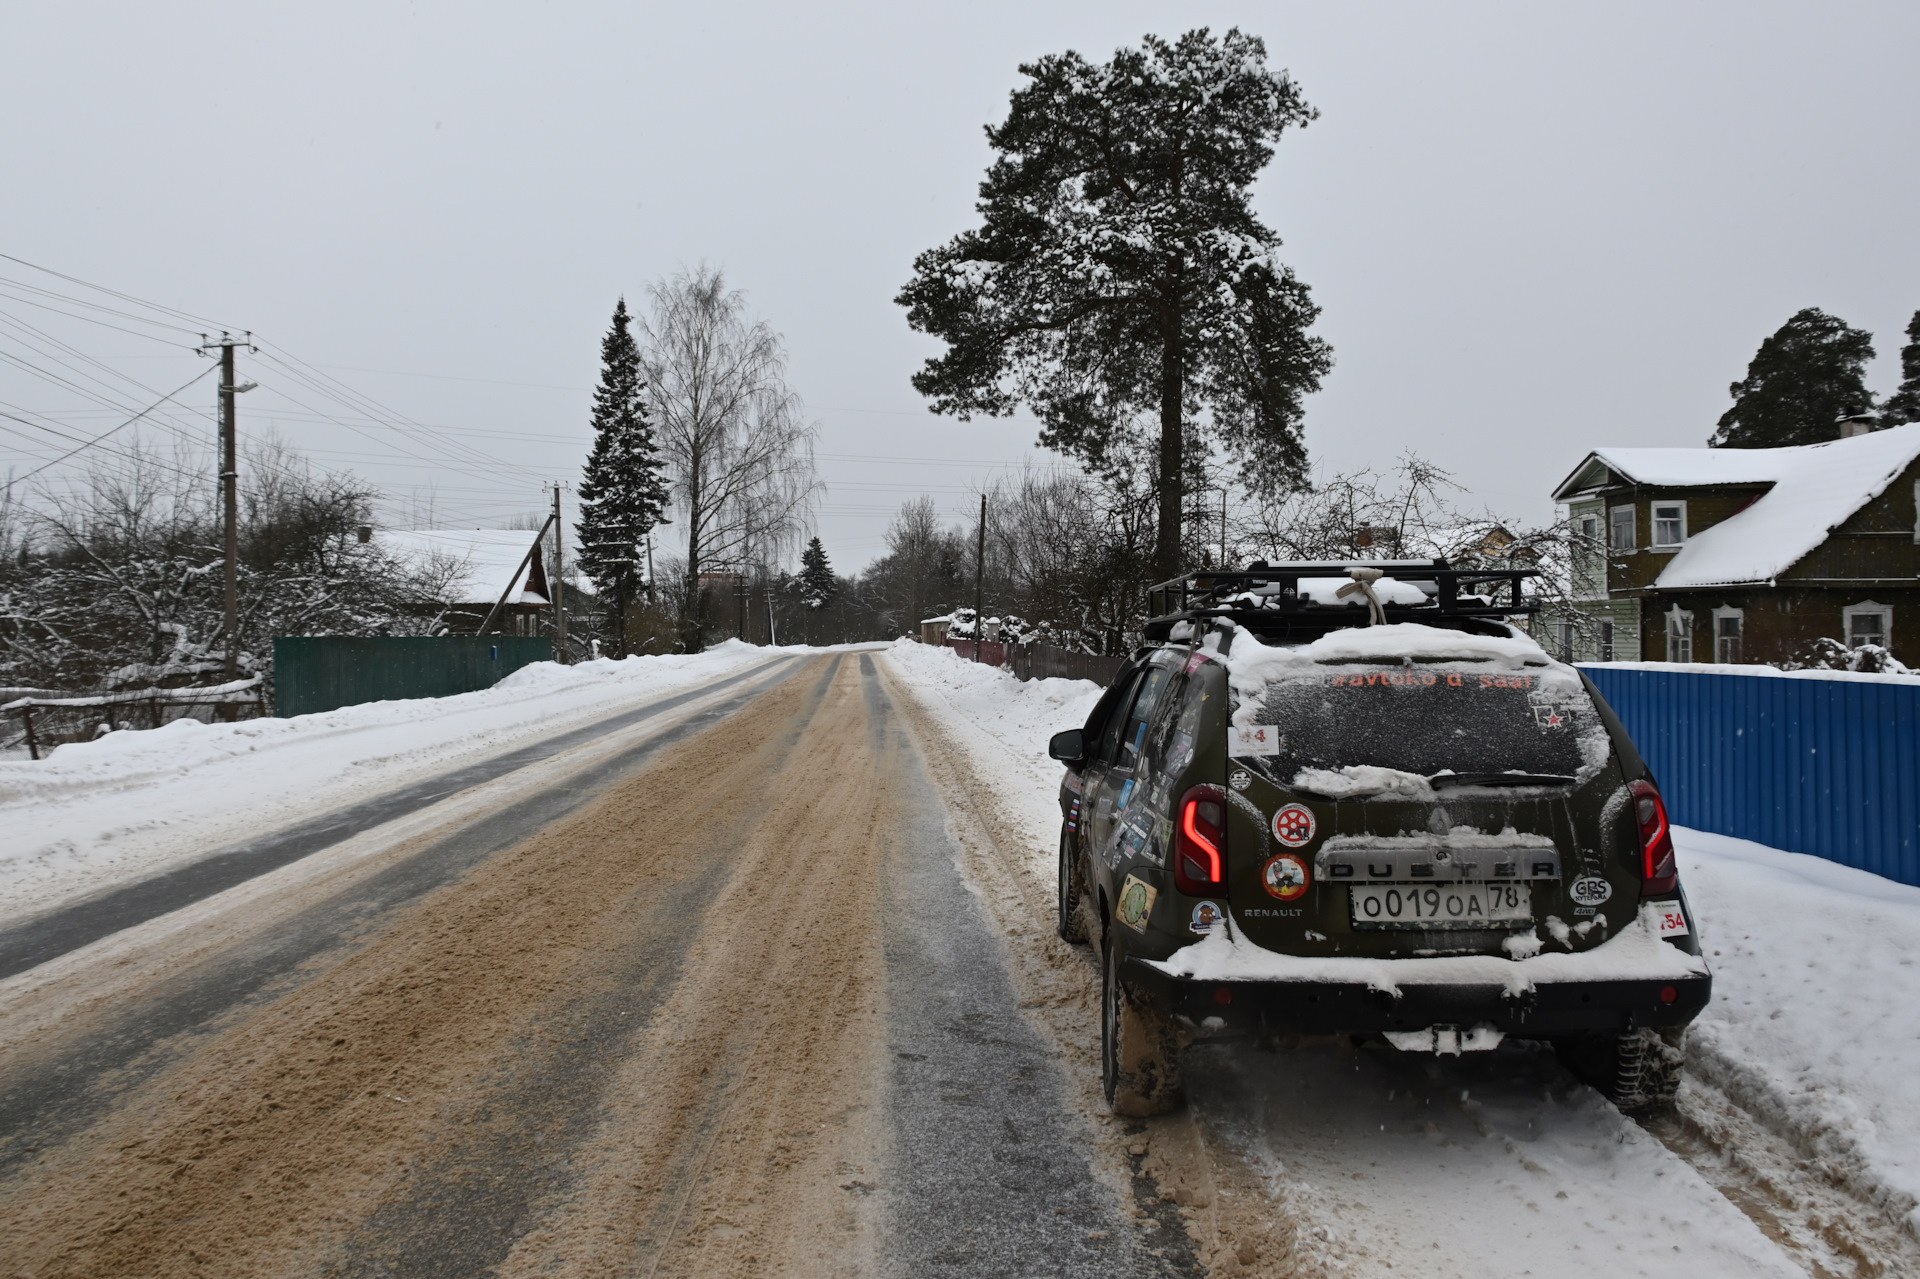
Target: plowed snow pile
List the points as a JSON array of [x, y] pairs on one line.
[[132, 803]]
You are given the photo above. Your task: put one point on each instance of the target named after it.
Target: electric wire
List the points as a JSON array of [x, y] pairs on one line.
[[87, 444]]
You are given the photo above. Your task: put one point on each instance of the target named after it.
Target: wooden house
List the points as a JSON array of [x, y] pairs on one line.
[[1746, 555]]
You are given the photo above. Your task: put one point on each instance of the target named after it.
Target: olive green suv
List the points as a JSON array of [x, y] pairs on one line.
[[1354, 799]]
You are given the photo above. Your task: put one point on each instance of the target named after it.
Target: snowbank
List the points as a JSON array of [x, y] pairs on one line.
[[134, 802], [1815, 1019], [1003, 725]]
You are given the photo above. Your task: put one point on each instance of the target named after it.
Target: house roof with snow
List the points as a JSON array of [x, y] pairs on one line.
[[487, 558], [1802, 494]]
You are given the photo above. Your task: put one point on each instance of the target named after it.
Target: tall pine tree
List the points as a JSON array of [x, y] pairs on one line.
[[817, 583], [624, 490], [1904, 404], [1120, 285], [1806, 377]]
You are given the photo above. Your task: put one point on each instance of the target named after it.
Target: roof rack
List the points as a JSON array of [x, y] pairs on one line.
[[1451, 593]]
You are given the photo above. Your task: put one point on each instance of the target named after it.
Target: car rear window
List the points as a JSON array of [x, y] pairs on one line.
[[1431, 717]]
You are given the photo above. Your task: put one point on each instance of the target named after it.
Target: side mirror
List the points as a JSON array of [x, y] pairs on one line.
[[1068, 747]]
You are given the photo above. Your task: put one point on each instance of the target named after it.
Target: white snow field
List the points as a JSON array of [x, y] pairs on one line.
[[136, 802], [1498, 1163]]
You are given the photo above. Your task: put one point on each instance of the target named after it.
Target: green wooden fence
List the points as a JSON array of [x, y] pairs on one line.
[[323, 673]]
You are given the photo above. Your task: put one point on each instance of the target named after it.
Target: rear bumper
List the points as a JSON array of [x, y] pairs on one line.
[[1321, 1008]]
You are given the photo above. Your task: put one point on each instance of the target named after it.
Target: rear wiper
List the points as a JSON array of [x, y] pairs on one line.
[[1445, 781]]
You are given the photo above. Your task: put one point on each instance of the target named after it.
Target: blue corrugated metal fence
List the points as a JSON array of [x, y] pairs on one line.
[[1827, 767]]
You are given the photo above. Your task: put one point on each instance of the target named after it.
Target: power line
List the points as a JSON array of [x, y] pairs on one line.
[[129, 422], [115, 293]]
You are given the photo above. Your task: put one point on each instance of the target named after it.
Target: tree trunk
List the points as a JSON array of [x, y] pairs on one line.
[[692, 627], [1167, 558]]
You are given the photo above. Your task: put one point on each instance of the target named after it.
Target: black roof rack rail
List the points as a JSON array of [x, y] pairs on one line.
[[1455, 593]]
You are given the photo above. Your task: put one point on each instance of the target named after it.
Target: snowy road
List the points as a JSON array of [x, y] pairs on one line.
[[763, 981], [724, 1008]]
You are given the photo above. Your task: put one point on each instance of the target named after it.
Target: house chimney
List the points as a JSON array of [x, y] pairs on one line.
[[366, 533], [1857, 424]]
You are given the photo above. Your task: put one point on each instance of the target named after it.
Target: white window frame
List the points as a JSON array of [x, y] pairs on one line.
[[1866, 606], [1739, 615], [1679, 628], [1653, 525], [1633, 530]]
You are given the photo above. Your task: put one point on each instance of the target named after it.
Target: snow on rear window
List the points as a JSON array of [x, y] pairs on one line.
[[1417, 700]]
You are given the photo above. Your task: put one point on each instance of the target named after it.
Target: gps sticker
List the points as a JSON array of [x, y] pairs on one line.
[[1294, 825], [1136, 903], [1285, 877], [1589, 890], [1207, 916]]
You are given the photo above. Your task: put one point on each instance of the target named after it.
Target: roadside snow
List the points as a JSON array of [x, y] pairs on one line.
[[1815, 1019], [135, 802], [1003, 725]]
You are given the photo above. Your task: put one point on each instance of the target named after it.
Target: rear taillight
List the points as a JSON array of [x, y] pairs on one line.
[[1658, 874], [1200, 843]]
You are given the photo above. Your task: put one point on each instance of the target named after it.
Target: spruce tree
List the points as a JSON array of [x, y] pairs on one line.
[[1120, 285], [624, 490], [1802, 381], [817, 584], [1904, 404]]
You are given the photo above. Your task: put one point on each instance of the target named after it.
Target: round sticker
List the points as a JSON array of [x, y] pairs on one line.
[[1294, 825], [1590, 890], [1285, 876], [1207, 916]]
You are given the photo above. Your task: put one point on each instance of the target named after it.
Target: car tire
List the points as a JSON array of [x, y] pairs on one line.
[[1139, 1047], [1637, 1070], [1072, 924]]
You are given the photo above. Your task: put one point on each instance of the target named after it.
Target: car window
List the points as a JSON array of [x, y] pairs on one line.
[[1141, 715], [1116, 722], [1430, 717]]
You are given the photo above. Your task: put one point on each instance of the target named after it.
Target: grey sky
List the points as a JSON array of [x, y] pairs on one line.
[[1534, 229]]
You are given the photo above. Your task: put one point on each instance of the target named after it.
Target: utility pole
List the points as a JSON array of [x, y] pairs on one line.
[[980, 586], [557, 585], [230, 487]]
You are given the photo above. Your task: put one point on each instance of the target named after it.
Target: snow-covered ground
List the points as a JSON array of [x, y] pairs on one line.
[[1815, 1019], [136, 802], [1500, 1164]]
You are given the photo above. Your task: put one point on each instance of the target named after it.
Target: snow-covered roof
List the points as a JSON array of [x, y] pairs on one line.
[[488, 556], [1813, 489]]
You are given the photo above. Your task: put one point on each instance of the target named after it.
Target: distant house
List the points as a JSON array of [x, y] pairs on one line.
[[484, 563], [1747, 555]]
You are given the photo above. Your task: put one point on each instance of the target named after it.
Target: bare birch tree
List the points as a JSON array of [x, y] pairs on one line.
[[734, 435]]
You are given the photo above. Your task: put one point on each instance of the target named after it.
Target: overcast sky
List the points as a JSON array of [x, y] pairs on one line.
[[1534, 229]]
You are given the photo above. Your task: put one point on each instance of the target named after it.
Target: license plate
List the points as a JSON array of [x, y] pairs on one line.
[[1463, 905]]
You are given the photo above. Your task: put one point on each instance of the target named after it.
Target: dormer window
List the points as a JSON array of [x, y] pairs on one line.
[[1669, 525]]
